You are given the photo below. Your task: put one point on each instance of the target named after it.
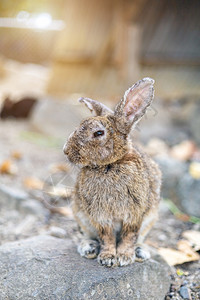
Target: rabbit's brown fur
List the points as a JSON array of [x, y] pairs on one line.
[[118, 188]]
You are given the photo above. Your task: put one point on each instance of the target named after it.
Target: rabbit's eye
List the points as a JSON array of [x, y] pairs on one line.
[[98, 133]]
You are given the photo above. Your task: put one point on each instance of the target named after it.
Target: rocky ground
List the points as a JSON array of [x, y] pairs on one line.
[[33, 169], [46, 267], [32, 162]]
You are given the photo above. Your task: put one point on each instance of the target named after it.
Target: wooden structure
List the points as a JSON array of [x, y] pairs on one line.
[[171, 32], [97, 52], [109, 44]]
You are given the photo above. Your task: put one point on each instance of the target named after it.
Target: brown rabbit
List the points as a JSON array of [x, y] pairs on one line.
[[118, 187]]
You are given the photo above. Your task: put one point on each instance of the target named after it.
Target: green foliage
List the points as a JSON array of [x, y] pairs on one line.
[[41, 139], [179, 214]]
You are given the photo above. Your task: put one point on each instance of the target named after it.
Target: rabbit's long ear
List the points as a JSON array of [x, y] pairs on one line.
[[96, 107], [134, 104]]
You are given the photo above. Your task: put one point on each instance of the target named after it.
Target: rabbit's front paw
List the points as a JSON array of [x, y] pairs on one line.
[[141, 254], [125, 258], [107, 259], [88, 248]]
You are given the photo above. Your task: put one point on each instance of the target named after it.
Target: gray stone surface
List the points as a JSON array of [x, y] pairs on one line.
[[194, 123], [179, 186], [57, 232], [58, 118], [155, 123], [19, 200], [188, 191], [172, 170], [33, 207], [10, 197], [184, 292], [49, 268]]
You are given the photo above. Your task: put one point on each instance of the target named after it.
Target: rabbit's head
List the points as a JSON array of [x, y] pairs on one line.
[[103, 139]]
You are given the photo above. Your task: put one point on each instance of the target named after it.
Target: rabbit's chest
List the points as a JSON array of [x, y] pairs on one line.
[[104, 193]]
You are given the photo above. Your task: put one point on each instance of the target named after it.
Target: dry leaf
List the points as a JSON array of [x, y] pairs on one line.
[[65, 211], [16, 155], [151, 243], [33, 183], [184, 246], [57, 191], [8, 167], [183, 151], [59, 167], [193, 237], [194, 170], [183, 217], [175, 257]]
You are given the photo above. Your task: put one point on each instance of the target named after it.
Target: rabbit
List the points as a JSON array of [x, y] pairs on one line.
[[117, 191]]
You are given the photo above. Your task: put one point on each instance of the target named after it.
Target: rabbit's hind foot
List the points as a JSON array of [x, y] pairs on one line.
[[88, 248]]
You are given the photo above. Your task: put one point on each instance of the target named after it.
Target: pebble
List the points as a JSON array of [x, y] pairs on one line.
[[11, 196], [173, 288], [184, 293], [57, 232], [31, 206], [188, 190], [162, 237]]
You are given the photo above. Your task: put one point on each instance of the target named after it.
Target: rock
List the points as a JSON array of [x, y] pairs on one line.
[[179, 186], [31, 206], [57, 232], [166, 121], [188, 191], [57, 118], [17, 109], [172, 170], [184, 292], [156, 147], [183, 113], [183, 151], [25, 226], [156, 123], [45, 267], [194, 123], [11, 197]]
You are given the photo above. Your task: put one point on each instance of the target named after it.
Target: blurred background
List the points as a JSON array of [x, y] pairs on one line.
[[101, 47], [52, 53]]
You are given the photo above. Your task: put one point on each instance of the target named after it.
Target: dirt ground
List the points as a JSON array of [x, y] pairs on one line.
[[33, 162]]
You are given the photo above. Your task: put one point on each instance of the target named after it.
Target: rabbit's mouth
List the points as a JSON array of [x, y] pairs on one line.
[[73, 157]]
